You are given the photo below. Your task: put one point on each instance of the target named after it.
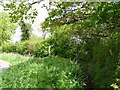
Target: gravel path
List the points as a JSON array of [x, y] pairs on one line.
[[4, 65]]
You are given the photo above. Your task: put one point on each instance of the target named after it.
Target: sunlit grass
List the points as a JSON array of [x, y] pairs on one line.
[[13, 58]]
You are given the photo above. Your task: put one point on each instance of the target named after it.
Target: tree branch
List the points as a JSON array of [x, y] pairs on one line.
[[35, 2]]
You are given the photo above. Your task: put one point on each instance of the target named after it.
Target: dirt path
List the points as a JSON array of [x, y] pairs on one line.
[[4, 65]]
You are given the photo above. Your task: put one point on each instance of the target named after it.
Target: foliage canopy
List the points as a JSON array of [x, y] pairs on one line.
[[6, 27]]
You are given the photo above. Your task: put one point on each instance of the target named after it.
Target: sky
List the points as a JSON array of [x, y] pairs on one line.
[[42, 14]]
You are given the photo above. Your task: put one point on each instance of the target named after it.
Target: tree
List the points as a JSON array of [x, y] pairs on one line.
[[26, 30], [19, 12], [96, 26], [6, 27]]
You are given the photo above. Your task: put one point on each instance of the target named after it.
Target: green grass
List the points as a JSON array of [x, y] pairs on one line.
[[13, 58], [48, 72]]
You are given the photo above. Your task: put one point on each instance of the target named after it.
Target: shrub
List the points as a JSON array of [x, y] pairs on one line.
[[49, 72], [0, 48], [105, 67], [118, 76], [9, 47], [35, 48], [40, 49], [22, 47], [106, 58]]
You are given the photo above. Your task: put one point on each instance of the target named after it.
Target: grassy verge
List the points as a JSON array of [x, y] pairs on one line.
[[49, 72], [13, 58]]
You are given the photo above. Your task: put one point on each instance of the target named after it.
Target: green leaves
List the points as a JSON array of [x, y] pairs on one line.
[[49, 72], [95, 29], [20, 11], [6, 27], [25, 29]]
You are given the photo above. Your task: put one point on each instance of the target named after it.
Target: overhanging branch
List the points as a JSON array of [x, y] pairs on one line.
[[35, 2]]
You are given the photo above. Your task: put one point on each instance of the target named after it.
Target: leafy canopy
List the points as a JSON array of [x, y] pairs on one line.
[[7, 28]]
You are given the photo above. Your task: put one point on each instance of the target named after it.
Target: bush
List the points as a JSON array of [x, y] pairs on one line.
[[62, 45], [22, 47], [40, 49], [9, 47], [0, 48], [105, 67], [49, 72], [118, 75], [106, 58], [36, 48]]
